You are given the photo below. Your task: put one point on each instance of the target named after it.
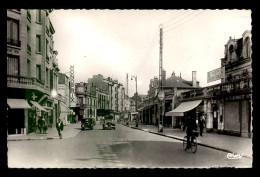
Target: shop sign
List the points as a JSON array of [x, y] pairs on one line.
[[237, 97], [216, 74]]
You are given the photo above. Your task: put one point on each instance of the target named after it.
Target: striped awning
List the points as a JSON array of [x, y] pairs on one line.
[[183, 107], [18, 104]]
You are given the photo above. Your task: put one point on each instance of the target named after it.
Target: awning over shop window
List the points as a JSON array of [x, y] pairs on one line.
[[69, 110], [18, 104], [183, 107], [38, 106]]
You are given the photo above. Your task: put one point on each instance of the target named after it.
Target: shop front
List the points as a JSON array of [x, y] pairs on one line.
[[195, 108], [17, 116]]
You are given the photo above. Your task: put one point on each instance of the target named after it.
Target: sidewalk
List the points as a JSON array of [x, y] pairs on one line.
[[230, 144], [69, 130]]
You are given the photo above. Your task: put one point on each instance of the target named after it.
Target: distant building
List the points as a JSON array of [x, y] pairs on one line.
[[81, 100], [64, 91], [151, 108]]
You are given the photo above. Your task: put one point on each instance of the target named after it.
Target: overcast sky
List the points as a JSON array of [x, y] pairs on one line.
[[116, 42]]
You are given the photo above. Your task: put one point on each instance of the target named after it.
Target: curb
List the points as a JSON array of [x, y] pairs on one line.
[[42, 138], [181, 139]]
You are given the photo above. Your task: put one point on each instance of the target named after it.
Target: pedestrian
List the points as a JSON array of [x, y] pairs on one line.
[[39, 122], [202, 123], [44, 125], [59, 127]]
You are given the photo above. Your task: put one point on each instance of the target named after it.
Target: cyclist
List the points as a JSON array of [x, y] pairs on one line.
[[190, 125]]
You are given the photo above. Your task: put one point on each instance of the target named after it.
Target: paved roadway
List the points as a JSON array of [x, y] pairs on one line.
[[120, 148]]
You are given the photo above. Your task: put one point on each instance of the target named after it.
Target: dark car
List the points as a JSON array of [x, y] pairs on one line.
[[88, 123], [108, 123]]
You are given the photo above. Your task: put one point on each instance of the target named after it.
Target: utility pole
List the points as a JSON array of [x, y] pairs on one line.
[[127, 84], [72, 83], [136, 118], [161, 108]]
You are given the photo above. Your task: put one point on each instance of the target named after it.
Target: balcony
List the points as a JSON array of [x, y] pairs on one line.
[[14, 42], [26, 83]]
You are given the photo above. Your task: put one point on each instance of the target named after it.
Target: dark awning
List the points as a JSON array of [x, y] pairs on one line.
[[18, 104], [183, 107]]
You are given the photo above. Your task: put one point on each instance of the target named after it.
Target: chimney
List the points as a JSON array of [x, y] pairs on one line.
[[194, 80], [180, 74]]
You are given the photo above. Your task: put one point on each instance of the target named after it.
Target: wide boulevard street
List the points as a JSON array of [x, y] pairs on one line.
[[121, 148]]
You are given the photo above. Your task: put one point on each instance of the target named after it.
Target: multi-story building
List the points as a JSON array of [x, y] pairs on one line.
[[227, 106], [64, 90], [32, 70], [81, 100], [140, 100], [117, 97]]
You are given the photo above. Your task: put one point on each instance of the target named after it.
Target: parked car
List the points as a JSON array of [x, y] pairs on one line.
[[88, 123], [108, 122]]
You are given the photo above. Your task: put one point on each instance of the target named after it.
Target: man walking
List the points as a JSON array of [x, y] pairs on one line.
[[40, 122], [59, 127]]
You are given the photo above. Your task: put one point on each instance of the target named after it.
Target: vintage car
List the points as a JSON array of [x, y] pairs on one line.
[[88, 123], [108, 122]]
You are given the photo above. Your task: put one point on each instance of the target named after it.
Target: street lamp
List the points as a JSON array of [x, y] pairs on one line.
[[135, 77]]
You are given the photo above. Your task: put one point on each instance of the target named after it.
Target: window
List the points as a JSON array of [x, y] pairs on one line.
[[47, 57], [38, 72], [28, 40], [47, 77], [13, 32], [38, 44], [29, 16], [55, 82], [38, 16], [12, 65], [248, 47], [28, 68]]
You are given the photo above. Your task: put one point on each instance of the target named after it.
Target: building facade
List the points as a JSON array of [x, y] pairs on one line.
[[32, 70], [228, 106], [64, 89], [81, 100], [152, 108]]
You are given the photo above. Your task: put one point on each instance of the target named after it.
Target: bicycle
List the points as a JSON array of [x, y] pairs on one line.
[[193, 142]]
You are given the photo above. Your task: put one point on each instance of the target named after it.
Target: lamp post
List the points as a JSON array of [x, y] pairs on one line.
[[135, 99]]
